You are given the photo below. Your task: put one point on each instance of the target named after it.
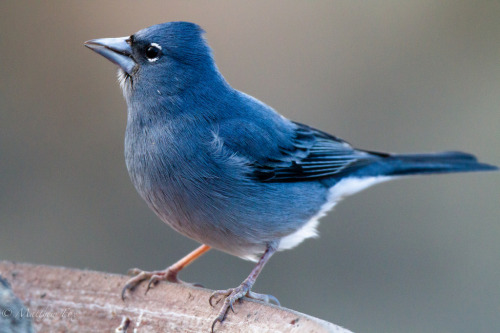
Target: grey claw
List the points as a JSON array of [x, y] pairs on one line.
[[231, 306], [263, 298], [124, 290], [210, 299], [274, 300], [215, 322]]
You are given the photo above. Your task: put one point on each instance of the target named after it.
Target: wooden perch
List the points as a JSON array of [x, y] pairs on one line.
[[70, 300]]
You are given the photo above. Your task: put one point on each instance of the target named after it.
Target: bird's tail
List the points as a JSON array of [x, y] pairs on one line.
[[444, 162]]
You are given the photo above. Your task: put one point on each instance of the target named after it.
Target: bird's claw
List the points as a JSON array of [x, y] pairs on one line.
[[263, 297], [217, 294], [135, 281], [153, 281], [236, 294], [231, 295], [218, 319], [154, 277]]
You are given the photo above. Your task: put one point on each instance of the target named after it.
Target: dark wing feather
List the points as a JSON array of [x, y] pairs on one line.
[[313, 155]]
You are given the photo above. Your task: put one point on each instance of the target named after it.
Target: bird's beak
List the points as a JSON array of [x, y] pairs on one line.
[[116, 50]]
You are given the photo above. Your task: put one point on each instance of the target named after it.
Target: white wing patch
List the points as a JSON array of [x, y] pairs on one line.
[[340, 190]]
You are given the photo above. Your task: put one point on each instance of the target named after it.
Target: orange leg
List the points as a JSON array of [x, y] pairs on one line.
[[187, 260], [168, 274]]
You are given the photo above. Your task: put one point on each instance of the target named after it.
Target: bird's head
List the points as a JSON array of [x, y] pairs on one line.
[[163, 59]]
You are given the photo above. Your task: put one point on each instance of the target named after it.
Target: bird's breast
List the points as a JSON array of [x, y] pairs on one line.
[[177, 177], [154, 161]]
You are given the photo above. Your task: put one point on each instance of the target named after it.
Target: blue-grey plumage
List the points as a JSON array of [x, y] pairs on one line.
[[225, 169]]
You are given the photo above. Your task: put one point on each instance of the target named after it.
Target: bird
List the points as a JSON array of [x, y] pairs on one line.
[[228, 171]]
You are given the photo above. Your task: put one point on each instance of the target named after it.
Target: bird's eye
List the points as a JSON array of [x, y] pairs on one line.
[[153, 52]]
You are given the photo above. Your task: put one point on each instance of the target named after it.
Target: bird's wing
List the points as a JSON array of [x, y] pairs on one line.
[[293, 153]]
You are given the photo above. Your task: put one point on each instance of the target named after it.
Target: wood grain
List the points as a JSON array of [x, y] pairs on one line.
[[71, 300]]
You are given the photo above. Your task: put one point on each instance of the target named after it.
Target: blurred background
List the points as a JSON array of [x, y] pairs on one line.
[[415, 255]]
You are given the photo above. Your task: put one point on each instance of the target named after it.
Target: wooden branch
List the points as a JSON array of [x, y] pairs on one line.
[[70, 300]]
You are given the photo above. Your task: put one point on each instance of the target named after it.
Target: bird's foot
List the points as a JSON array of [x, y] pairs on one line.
[[154, 278], [236, 294]]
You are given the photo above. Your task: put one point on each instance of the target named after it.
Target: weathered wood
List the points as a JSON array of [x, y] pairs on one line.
[[71, 300]]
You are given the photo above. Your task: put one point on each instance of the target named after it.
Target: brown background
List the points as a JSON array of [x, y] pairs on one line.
[[416, 255]]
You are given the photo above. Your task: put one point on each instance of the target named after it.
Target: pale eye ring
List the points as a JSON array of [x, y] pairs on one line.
[[153, 52]]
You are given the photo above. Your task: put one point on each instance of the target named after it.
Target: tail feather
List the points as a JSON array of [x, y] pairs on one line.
[[444, 162]]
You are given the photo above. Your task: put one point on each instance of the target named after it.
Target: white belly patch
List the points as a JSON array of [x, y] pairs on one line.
[[342, 189]]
